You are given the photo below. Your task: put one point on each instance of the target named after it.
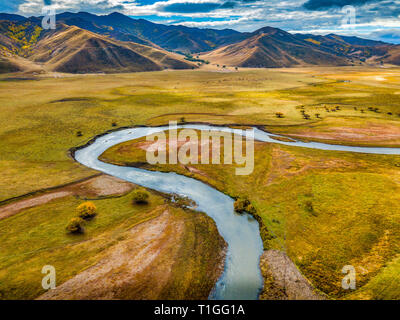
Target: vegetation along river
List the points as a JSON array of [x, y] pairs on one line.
[[241, 278]]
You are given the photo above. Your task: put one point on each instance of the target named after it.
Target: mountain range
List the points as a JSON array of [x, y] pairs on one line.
[[88, 43]]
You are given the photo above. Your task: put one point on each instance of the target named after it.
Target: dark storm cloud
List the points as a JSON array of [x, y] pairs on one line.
[[326, 4]]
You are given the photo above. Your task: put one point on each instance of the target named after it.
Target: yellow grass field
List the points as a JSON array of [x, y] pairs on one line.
[[325, 209]]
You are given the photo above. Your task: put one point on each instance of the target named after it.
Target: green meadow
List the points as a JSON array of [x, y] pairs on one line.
[[325, 209]]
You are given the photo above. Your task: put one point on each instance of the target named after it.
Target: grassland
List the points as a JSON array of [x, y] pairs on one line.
[[43, 117], [324, 209], [36, 237]]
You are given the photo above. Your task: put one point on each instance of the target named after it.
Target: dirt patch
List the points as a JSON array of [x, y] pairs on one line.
[[370, 133], [135, 268], [14, 208], [284, 164], [282, 279], [194, 170], [284, 139], [100, 186]]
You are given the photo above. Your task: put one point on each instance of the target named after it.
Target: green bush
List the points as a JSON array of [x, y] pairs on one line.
[[140, 197], [244, 205], [87, 210], [75, 225]]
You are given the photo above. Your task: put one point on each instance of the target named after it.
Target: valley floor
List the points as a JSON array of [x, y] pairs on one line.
[[323, 209]]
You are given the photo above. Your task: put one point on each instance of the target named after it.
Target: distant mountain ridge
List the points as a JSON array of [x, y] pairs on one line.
[[271, 47], [169, 37], [120, 43], [24, 45]]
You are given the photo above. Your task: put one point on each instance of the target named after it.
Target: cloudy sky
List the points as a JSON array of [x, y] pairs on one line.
[[378, 19]]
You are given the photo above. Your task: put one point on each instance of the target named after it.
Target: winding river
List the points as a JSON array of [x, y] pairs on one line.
[[241, 278]]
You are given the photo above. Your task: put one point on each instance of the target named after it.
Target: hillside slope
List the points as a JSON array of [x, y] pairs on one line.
[[270, 47], [70, 49], [170, 37]]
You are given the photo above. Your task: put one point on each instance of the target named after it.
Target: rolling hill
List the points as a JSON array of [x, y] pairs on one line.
[[271, 47], [170, 37], [74, 50], [71, 49], [88, 43]]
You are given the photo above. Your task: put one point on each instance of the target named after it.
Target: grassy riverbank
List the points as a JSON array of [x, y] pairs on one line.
[[36, 237], [326, 209]]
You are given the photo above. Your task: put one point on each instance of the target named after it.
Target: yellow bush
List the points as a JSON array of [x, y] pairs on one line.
[[87, 210], [75, 225]]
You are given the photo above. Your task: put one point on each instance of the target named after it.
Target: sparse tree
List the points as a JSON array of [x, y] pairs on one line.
[[140, 197], [87, 210], [75, 226]]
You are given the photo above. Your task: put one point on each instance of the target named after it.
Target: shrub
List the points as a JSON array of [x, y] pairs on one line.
[[310, 207], [79, 134], [240, 205], [87, 210], [243, 205], [75, 225], [140, 197]]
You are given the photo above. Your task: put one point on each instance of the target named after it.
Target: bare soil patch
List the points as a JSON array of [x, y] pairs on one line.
[[282, 279], [103, 185], [284, 164], [136, 268], [370, 133]]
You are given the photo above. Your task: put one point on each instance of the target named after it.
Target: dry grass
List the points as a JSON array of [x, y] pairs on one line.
[[324, 209]]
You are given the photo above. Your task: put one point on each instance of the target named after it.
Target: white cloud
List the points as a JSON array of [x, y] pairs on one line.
[[245, 16]]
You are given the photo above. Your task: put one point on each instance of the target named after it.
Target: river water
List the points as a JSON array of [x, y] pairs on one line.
[[241, 279]]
